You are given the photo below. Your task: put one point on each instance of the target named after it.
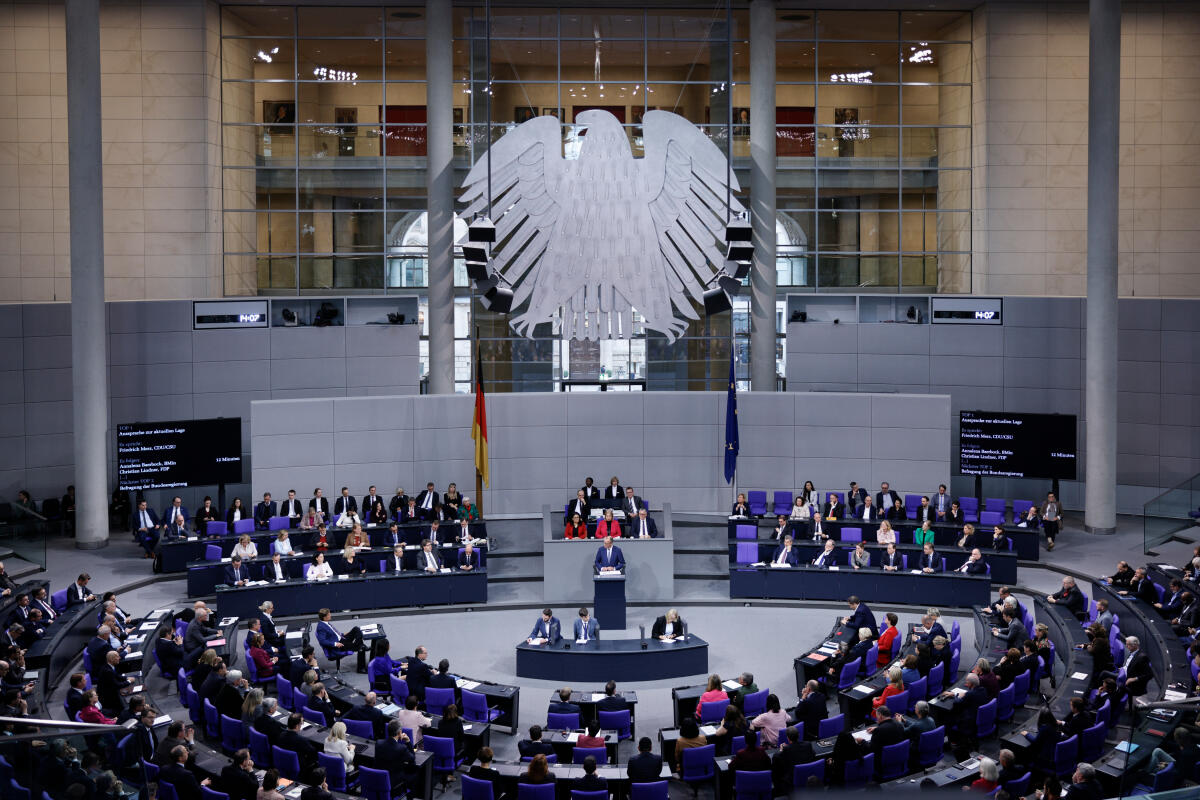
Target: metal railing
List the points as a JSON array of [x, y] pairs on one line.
[[1169, 513], [25, 532]]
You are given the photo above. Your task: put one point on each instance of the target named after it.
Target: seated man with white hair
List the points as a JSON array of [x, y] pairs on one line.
[[230, 697]]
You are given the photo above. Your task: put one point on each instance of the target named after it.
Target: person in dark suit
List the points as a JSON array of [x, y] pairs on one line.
[[320, 702], [345, 502], [196, 636], [547, 627], [826, 557], [266, 724], [645, 767], [563, 705], [866, 512], [291, 739], [886, 498], [793, 751], [78, 593], [785, 553], [395, 755], [856, 496], [178, 775], [1141, 587], [833, 509], [528, 748], [236, 573], [811, 709], [109, 684], [320, 503], [1138, 672], [1070, 596], [178, 735], [237, 779], [578, 506], [427, 501], [428, 559], [585, 627], [146, 527], [1078, 719], [609, 557], [891, 560], [954, 516], [631, 503], [369, 712], [887, 731], [264, 511], [642, 526], [318, 788], [965, 708], [974, 565], [659, 630], [483, 771], [75, 694], [291, 508], [741, 508], [468, 559], [442, 679], [398, 504], [590, 490], [930, 561], [591, 782], [1172, 602], [925, 512], [1043, 740], [860, 616], [614, 490], [230, 696], [169, 652], [418, 672], [611, 700]]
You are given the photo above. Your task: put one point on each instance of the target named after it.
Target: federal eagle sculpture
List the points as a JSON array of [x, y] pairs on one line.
[[605, 233]]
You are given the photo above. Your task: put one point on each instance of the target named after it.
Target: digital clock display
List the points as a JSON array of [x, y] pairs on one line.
[[210, 314]]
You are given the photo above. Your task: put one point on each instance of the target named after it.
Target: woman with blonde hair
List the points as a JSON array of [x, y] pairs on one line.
[[885, 534], [245, 548], [283, 545], [252, 707], [336, 744]]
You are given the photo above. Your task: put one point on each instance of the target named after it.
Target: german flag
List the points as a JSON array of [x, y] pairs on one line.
[[479, 426]]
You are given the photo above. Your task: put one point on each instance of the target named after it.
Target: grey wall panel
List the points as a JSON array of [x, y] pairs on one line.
[[251, 344], [382, 340], [1053, 312], [1177, 441], [169, 347], [446, 412], [910, 411], [303, 479], [10, 323], [13, 348], [1180, 409], [971, 398], [765, 472], [893, 369], [231, 376], [980, 370], [382, 370], [1177, 470], [690, 408], [138, 380], [832, 409], [691, 472], [12, 386], [823, 368], [352, 446], [688, 441], [150, 408], [1137, 345], [823, 337], [1044, 401], [1139, 376], [1135, 313], [823, 441], [1180, 346], [894, 339], [12, 423], [965, 340], [1139, 407], [49, 417], [299, 448], [605, 410], [48, 450], [1059, 373], [1042, 342], [834, 474], [305, 343], [767, 440], [372, 414], [1180, 315], [228, 404], [908, 475], [310, 373], [45, 352], [919, 444], [134, 317], [46, 319], [291, 416], [47, 384], [538, 442]]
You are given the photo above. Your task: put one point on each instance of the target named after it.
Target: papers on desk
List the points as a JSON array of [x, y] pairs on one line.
[[914, 572], [597, 697], [573, 737], [463, 683], [342, 577], [132, 656], [135, 640], [958, 691], [862, 689], [445, 570], [833, 569], [1079, 676], [731, 684], [1166, 567], [226, 560], [294, 792], [293, 635], [372, 628], [227, 621], [862, 736], [160, 720], [708, 730], [817, 657], [611, 574], [215, 642], [466, 726], [1172, 695], [147, 626], [759, 564], [1126, 746], [137, 689], [158, 612], [777, 565], [581, 641], [389, 708]]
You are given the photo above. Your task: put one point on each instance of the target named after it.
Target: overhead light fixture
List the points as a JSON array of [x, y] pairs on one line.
[[474, 252], [482, 230], [738, 269], [738, 230], [740, 251], [498, 299], [731, 285], [716, 301], [478, 270]]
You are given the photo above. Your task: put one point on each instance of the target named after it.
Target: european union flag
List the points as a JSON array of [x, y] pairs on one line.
[[731, 426]]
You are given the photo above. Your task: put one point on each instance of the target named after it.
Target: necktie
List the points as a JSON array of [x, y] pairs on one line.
[[145, 519], [428, 501], [585, 631], [644, 528]]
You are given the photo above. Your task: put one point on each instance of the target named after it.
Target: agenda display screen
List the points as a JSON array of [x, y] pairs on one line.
[[169, 455], [1007, 445]]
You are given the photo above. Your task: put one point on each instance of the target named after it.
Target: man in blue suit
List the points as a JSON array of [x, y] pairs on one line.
[[236, 573], [930, 561], [785, 553], [609, 557], [860, 616], [586, 628], [146, 526], [547, 628], [826, 557], [264, 511], [332, 640], [642, 527]]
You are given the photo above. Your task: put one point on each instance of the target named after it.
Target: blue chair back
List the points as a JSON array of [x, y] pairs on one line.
[[283, 688], [1104, 714], [1004, 703], [713, 711], [436, 700], [476, 789], [698, 763], [831, 726], [286, 761], [562, 722], [860, 771], [243, 526], [755, 703], [443, 753], [212, 794], [619, 721], [535, 791], [1066, 756], [916, 691], [195, 710], [745, 532], [260, 748], [871, 662], [278, 524], [1020, 786], [930, 745], [335, 770], [399, 690], [757, 500], [233, 738], [911, 503], [893, 761], [16, 791], [363, 728], [1091, 742], [166, 791], [313, 715], [1020, 686], [994, 504], [578, 754], [990, 518], [752, 785], [251, 667], [849, 673], [985, 719], [212, 552], [897, 703], [151, 770], [1166, 778], [747, 552], [212, 720], [376, 784], [216, 527], [802, 772], [851, 535], [1020, 507], [655, 790], [782, 503], [936, 678]]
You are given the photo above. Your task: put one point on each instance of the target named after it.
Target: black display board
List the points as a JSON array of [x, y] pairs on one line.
[[167, 455], [1003, 444]]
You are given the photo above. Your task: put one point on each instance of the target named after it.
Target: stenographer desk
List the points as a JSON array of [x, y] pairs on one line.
[[871, 584], [615, 659], [371, 591]]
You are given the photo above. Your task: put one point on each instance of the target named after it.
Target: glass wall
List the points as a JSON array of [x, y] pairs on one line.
[[324, 143]]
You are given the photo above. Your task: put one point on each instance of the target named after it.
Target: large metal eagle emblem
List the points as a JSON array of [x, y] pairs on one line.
[[602, 234]]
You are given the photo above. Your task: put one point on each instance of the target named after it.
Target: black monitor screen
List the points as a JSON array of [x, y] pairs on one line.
[[168, 455], [1007, 445]]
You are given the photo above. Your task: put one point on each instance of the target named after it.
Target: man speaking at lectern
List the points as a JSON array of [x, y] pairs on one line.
[[609, 557]]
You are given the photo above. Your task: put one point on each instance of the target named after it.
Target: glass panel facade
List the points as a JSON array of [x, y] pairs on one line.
[[324, 143]]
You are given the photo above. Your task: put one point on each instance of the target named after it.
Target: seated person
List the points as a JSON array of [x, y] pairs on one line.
[[786, 554], [781, 527], [547, 629], [576, 528], [427, 559], [283, 544], [468, 511], [668, 626], [468, 559], [395, 562], [885, 534], [579, 507], [930, 561], [351, 563], [332, 639], [534, 746], [826, 557], [377, 515], [538, 771], [563, 705], [967, 540], [586, 628], [1000, 542], [974, 565], [860, 558], [891, 560], [321, 540], [607, 526], [714, 692], [592, 738], [741, 508], [643, 527], [383, 665], [896, 512], [319, 570], [236, 573]]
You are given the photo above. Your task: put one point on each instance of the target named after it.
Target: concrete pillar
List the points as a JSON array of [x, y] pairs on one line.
[[762, 194], [1100, 406], [89, 339], [439, 54]]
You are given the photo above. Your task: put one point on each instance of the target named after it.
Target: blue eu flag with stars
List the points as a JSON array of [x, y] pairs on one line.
[[731, 426]]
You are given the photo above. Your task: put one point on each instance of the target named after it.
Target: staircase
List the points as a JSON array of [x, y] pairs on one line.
[[1174, 510], [701, 558]]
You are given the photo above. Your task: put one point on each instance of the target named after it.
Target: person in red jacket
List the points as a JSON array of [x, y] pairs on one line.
[[886, 637]]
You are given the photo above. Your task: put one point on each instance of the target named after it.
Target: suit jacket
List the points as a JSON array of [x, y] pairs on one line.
[[886, 501], [322, 504], [593, 629], [811, 710], [617, 559], [540, 630], [233, 575], [492, 776], [825, 558], [342, 504], [1139, 669], [135, 521], [423, 562], [528, 748], [576, 506], [239, 784], [592, 493], [886, 733], [630, 507], [196, 636], [863, 617], [1143, 590], [974, 567], [170, 656], [185, 783], [398, 504], [77, 594], [1172, 604], [397, 758], [229, 701], [368, 502], [287, 507], [633, 527], [941, 499], [644, 768], [270, 727], [442, 680], [829, 511], [417, 676], [1014, 634], [611, 702], [472, 559], [614, 493], [263, 512], [784, 763], [591, 783], [1073, 599], [926, 513], [887, 559], [856, 498], [305, 750], [872, 514], [327, 636], [436, 500], [660, 625], [322, 706], [108, 688], [954, 517], [371, 714], [931, 561]]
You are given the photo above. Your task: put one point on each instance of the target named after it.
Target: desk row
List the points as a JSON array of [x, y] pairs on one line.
[[1022, 541], [812, 583], [372, 591], [1001, 566]]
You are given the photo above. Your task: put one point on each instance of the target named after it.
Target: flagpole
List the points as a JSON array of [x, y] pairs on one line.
[[478, 371]]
